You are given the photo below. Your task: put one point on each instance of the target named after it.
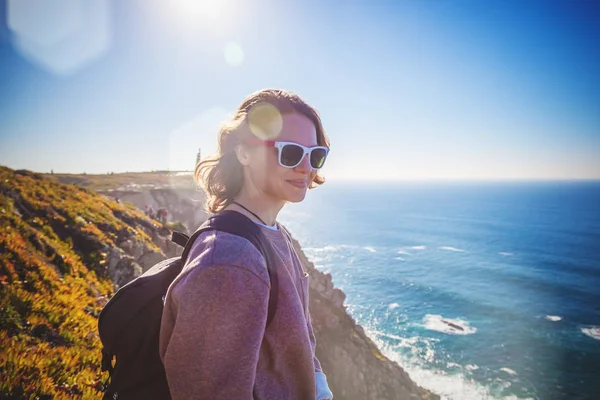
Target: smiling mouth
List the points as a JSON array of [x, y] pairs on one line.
[[299, 183]]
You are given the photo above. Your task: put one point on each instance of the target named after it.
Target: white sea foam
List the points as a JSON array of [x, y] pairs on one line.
[[553, 318], [403, 252], [371, 249], [393, 305], [471, 367], [329, 250], [504, 384], [324, 268], [592, 331], [450, 386], [452, 249], [450, 326], [404, 341], [418, 247], [399, 258], [508, 371], [505, 253]]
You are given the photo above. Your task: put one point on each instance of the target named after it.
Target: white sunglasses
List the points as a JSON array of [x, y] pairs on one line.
[[291, 154]]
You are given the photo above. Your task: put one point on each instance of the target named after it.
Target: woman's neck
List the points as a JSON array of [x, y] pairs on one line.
[[266, 209]]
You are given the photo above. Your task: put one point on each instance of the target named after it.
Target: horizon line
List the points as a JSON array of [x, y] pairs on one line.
[[362, 179]]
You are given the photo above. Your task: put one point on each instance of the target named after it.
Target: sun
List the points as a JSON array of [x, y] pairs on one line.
[[197, 11]]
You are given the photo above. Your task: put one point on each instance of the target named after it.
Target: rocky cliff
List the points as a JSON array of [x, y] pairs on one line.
[[184, 204], [65, 249]]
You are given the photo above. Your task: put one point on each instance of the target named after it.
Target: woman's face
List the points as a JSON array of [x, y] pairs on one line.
[[275, 181]]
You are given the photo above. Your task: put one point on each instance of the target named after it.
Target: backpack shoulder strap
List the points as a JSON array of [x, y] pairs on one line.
[[238, 224], [180, 238]]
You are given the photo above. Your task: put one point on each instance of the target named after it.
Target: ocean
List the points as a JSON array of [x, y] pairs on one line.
[[478, 290]]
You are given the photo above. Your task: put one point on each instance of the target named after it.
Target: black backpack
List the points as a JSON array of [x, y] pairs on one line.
[[129, 324]]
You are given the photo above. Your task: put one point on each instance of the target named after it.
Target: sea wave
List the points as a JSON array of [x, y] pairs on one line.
[[324, 268], [592, 331], [454, 385], [448, 248], [553, 318], [450, 326], [404, 341], [328, 248], [508, 371]]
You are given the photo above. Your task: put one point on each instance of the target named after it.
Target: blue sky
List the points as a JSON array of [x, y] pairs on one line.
[[419, 89]]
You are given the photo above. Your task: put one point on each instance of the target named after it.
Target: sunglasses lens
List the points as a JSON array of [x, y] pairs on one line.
[[317, 158], [291, 155]]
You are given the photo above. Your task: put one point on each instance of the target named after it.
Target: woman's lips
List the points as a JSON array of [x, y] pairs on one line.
[[301, 184]]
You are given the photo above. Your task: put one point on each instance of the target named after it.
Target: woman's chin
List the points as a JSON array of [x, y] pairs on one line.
[[295, 195]]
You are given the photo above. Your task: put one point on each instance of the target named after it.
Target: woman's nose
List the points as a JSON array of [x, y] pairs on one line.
[[304, 164]]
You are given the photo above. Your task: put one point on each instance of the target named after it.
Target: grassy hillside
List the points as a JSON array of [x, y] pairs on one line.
[[54, 282]]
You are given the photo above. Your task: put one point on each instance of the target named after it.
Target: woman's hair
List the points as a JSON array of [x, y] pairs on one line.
[[221, 176]]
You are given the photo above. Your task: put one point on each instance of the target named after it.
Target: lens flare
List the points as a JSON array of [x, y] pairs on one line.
[[61, 37], [234, 54], [265, 121]]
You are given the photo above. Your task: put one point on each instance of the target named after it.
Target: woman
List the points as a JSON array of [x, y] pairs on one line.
[[213, 342]]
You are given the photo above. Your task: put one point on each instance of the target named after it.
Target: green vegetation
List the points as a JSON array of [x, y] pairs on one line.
[[54, 282]]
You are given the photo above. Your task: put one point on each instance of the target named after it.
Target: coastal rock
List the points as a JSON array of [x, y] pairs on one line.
[[127, 246], [132, 257], [138, 249], [113, 256], [148, 259], [125, 270], [144, 256], [183, 204], [163, 241]]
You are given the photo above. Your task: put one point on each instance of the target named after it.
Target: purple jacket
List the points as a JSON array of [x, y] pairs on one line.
[[213, 341]]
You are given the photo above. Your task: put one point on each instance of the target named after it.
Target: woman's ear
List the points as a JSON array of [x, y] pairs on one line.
[[242, 154]]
